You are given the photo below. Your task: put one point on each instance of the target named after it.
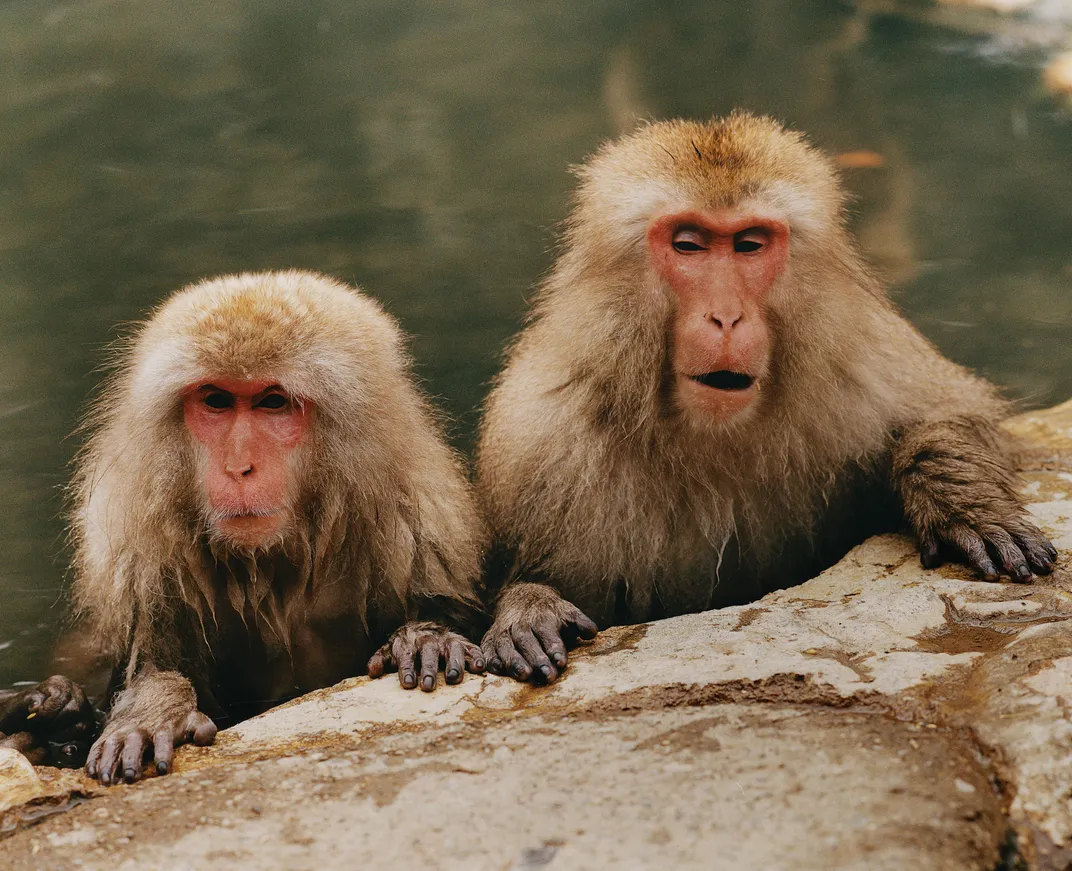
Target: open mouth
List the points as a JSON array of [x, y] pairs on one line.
[[724, 379]]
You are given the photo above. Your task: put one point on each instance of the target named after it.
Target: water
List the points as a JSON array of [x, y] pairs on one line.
[[420, 150]]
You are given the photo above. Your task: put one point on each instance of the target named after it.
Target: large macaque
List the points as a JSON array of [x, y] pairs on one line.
[[50, 722], [714, 399], [264, 506]]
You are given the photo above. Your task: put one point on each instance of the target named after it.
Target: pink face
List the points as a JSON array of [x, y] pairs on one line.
[[721, 267], [249, 430]]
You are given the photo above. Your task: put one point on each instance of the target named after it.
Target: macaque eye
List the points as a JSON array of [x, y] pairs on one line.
[[688, 241], [218, 400], [749, 241], [273, 402]]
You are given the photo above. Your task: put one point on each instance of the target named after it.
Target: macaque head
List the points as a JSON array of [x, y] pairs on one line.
[[248, 432], [711, 215], [254, 396]]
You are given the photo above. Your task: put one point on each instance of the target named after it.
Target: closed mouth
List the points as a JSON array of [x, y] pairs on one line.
[[248, 514], [725, 379]]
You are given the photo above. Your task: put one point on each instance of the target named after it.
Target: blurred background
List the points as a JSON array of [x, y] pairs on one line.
[[420, 150]]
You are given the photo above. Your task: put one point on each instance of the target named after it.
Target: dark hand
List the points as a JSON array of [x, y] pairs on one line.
[[1001, 545], [125, 746], [533, 628], [53, 705], [427, 644], [154, 715]]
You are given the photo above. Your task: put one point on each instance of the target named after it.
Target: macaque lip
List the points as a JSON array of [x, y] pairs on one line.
[[249, 529], [725, 379]]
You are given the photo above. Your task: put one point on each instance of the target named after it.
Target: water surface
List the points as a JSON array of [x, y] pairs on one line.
[[420, 149]]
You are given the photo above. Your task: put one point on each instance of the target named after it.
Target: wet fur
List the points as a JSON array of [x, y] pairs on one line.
[[596, 482]]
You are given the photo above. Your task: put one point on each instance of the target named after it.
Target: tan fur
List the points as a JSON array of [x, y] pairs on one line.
[[383, 517], [590, 472]]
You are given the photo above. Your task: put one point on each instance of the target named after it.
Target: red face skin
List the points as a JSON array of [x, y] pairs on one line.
[[249, 430], [721, 267]]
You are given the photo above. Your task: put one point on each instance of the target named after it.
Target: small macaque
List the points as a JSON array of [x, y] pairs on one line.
[[51, 723], [265, 506], [714, 399]]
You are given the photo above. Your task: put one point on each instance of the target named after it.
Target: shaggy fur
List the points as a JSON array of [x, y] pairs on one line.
[[383, 527], [596, 481]]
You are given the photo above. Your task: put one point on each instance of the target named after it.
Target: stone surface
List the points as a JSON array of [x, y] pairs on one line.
[[878, 716]]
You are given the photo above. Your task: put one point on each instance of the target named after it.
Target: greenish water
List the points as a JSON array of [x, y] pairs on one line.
[[420, 150]]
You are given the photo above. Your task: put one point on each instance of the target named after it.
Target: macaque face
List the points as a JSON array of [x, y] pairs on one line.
[[249, 430], [720, 267]]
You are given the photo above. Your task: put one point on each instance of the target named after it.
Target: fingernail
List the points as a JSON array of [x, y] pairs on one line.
[[559, 659], [428, 684], [453, 674], [161, 768], [547, 671], [129, 775]]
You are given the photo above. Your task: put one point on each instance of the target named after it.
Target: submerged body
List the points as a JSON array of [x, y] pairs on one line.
[[714, 399], [265, 506]]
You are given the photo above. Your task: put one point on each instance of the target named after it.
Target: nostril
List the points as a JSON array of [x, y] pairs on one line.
[[248, 470]]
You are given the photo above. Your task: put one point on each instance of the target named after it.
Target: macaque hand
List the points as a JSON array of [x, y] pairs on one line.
[[533, 627], [57, 702], [154, 715], [1003, 543], [428, 644]]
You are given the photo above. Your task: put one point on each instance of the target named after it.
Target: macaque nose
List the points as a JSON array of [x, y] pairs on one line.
[[725, 320], [239, 469]]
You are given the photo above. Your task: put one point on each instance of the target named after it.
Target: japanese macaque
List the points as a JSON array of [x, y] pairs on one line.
[[265, 505], [50, 723], [714, 398]]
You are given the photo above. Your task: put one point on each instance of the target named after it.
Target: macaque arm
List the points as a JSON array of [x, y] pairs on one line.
[[533, 628], [956, 480], [154, 714], [422, 645]]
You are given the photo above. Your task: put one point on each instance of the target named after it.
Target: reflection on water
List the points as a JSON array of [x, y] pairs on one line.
[[420, 150]]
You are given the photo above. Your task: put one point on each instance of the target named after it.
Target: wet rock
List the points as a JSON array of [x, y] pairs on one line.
[[877, 716]]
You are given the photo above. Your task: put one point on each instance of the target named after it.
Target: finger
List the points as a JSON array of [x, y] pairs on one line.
[[547, 632], [584, 627], [493, 664], [134, 747], [377, 665], [492, 661], [407, 671], [34, 700], [455, 665], [200, 729], [974, 552], [163, 749], [1036, 548], [513, 663], [534, 654], [110, 759], [474, 659], [929, 555], [429, 664], [77, 701], [93, 759], [1009, 556]]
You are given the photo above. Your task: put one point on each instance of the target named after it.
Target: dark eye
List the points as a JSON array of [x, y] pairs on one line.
[[273, 402], [218, 400], [687, 241], [749, 241]]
